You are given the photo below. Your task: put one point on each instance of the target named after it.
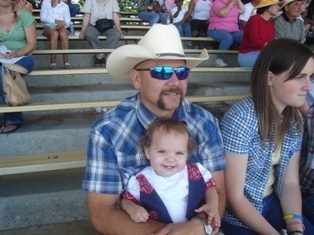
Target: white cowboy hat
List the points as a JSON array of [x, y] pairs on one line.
[[286, 2], [161, 42]]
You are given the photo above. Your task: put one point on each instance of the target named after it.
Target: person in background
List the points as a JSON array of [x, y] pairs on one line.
[[177, 188], [158, 68], [223, 25], [258, 32], [20, 4], [152, 11], [18, 35], [249, 10], [262, 136], [309, 23], [288, 25], [102, 13], [199, 10], [169, 5], [73, 7], [177, 14], [55, 15]]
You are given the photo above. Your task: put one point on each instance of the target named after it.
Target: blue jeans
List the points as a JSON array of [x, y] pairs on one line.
[[184, 30], [225, 38], [308, 207], [17, 117], [248, 59], [272, 213], [153, 17], [74, 9]]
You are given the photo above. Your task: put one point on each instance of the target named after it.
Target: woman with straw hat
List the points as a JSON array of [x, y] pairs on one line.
[[258, 32]]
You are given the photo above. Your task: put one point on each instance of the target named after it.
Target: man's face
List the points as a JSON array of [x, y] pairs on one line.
[[162, 97], [294, 9]]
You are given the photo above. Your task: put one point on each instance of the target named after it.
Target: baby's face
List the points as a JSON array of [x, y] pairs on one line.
[[168, 152]]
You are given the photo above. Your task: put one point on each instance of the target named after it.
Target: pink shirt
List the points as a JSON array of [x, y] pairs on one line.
[[229, 22]]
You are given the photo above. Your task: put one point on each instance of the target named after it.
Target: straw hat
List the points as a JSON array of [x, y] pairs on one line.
[[286, 2], [265, 3], [161, 42]]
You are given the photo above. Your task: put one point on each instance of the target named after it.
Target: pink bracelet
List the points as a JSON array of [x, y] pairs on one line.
[[294, 224]]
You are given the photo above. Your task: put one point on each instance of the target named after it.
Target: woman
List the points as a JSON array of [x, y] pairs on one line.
[[262, 137], [147, 13], [18, 34], [56, 15], [223, 25], [258, 32], [97, 15]]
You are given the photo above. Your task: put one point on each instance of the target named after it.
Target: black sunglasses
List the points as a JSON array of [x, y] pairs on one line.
[[165, 72]]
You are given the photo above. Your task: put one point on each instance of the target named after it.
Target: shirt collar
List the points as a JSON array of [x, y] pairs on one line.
[[286, 17]]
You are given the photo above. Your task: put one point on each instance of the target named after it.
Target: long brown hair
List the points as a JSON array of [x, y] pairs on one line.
[[278, 56], [14, 6]]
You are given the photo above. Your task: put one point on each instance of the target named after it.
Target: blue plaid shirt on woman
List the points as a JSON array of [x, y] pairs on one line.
[[239, 128], [307, 157], [114, 155]]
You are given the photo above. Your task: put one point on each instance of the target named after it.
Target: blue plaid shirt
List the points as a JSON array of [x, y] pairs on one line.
[[239, 129], [307, 157], [114, 155]]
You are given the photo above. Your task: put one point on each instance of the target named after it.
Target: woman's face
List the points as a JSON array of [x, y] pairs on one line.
[[273, 9], [292, 92]]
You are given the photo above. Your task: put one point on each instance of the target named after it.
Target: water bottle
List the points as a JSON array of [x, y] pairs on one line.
[[168, 19], [72, 29]]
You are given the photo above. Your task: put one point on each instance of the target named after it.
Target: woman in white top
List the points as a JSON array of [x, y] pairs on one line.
[[56, 15]]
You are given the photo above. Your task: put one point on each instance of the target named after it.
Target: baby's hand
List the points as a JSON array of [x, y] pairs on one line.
[[139, 215], [212, 213]]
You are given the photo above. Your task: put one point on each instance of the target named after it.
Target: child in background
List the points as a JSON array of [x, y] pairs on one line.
[[170, 189], [56, 15], [177, 14]]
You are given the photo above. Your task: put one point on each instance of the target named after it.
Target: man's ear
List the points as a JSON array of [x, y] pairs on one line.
[[136, 79], [270, 78]]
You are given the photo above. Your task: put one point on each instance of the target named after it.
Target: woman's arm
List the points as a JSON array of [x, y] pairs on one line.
[[85, 23], [291, 201], [45, 17], [240, 6], [30, 34], [240, 206], [116, 20], [67, 16], [222, 12]]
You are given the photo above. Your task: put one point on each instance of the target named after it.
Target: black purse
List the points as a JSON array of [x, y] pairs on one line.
[[103, 25]]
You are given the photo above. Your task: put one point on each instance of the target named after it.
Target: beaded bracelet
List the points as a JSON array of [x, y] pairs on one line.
[[293, 216]]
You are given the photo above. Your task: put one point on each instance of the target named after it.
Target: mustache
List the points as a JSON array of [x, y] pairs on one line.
[[172, 90]]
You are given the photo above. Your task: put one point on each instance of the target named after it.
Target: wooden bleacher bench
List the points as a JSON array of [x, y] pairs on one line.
[[73, 159], [79, 26], [76, 159]]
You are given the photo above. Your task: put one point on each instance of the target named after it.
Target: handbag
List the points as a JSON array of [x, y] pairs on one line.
[[103, 25], [14, 87]]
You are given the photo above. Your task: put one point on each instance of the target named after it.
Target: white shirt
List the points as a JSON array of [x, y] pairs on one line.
[[248, 8], [173, 190], [180, 15], [49, 14]]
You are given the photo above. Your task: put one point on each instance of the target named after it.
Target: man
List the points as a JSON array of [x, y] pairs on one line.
[[287, 25], [158, 68]]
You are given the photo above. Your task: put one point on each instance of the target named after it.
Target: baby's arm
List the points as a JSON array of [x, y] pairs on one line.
[[211, 207], [136, 212]]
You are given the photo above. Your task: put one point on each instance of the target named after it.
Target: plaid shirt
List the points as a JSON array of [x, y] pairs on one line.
[[307, 157], [239, 129], [114, 155]]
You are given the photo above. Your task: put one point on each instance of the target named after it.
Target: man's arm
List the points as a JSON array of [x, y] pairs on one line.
[[108, 219]]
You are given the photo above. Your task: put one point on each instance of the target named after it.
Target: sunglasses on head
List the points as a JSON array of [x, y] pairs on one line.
[[165, 72]]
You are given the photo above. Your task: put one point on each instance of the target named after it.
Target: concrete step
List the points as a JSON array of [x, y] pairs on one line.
[[44, 203]]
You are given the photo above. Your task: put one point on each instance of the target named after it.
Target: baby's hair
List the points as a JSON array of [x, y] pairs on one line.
[[169, 126]]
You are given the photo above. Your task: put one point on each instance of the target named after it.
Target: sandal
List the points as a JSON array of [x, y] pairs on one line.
[[67, 65], [9, 128], [53, 66], [103, 62], [98, 62]]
